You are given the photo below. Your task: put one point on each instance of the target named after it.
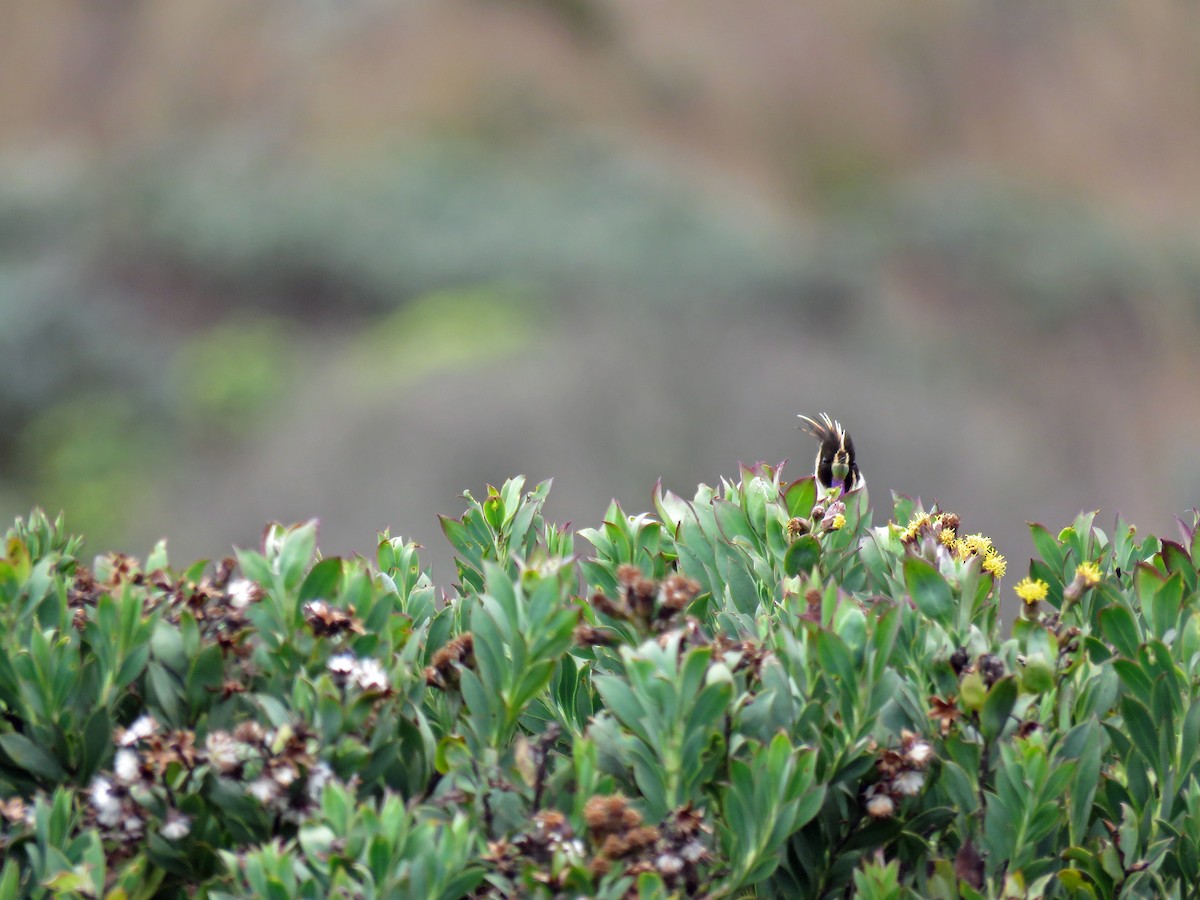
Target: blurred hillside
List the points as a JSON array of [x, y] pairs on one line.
[[280, 260]]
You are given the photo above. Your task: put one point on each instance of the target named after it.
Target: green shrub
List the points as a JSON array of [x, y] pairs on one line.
[[746, 694]]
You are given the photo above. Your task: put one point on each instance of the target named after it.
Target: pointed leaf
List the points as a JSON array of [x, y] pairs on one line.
[[997, 707], [929, 590], [802, 556]]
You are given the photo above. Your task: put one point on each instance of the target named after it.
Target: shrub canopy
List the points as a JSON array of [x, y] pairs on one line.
[[752, 693]]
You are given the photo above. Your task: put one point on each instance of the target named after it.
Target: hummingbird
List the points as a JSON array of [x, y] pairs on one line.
[[835, 465]]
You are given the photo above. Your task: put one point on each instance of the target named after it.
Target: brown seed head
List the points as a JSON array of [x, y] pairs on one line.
[[602, 604], [590, 636], [992, 668], [797, 527], [609, 815], [678, 591]]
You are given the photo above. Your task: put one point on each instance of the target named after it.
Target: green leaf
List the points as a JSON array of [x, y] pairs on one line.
[[493, 508], [732, 521], [322, 581], [1120, 629], [1191, 734], [929, 590], [299, 544], [205, 676], [1140, 727], [997, 707], [132, 666], [1076, 880], [451, 754], [958, 786], [165, 692], [33, 759], [800, 497], [802, 556], [1037, 676], [10, 880], [97, 741], [1048, 547], [1134, 679], [1083, 786], [1164, 605]]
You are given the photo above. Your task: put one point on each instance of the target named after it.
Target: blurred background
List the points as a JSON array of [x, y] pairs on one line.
[[276, 260]]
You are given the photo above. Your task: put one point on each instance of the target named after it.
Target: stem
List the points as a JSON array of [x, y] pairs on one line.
[[984, 756]]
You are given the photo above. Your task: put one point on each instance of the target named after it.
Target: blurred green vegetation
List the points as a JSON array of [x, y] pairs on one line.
[[181, 291], [475, 326], [570, 220], [230, 374]]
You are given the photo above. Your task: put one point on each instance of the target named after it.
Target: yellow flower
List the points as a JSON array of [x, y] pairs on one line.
[[1031, 591], [977, 544], [960, 549], [838, 521], [947, 537], [995, 563], [1088, 573], [911, 532]]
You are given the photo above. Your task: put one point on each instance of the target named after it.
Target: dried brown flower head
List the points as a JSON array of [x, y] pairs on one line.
[[678, 591], [959, 660], [224, 572], [591, 636], [1027, 727], [609, 815], [458, 653], [329, 621], [641, 595], [991, 667], [944, 712], [602, 604]]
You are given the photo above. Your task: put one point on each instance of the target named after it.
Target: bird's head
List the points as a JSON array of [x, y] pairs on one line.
[[835, 465]]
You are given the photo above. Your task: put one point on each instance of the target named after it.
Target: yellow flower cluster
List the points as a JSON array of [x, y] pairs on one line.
[[995, 564], [924, 523], [976, 545], [981, 545], [1088, 573], [839, 521], [1031, 591], [963, 548], [914, 528]]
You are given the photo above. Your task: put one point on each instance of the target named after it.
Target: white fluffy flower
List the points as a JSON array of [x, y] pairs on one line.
[[909, 783], [343, 664], [284, 775], [318, 776], [370, 676], [223, 753], [133, 826], [126, 765], [668, 864], [177, 826], [142, 727], [881, 806], [243, 592], [106, 802], [919, 754], [264, 790]]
